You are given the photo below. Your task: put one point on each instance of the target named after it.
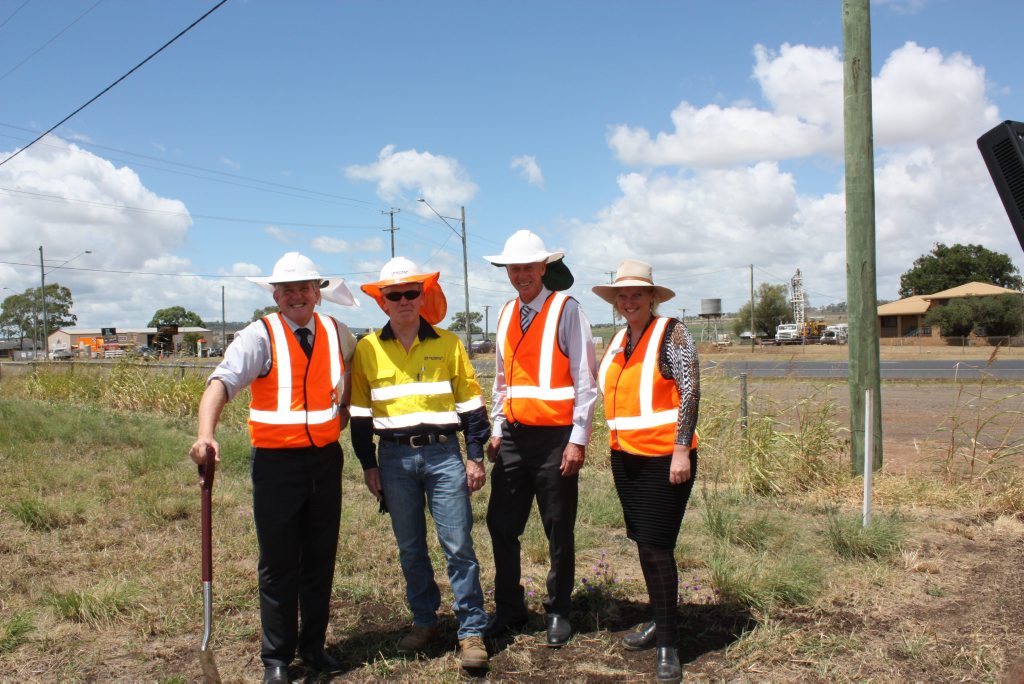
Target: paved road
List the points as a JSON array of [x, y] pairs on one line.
[[931, 369]]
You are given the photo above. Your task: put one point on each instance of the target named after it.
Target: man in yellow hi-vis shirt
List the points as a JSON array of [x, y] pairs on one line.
[[413, 386]]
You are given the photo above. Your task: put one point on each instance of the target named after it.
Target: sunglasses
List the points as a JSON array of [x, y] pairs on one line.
[[397, 296]]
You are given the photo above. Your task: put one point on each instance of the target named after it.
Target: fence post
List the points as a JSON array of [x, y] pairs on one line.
[[869, 455], [744, 420], [182, 369]]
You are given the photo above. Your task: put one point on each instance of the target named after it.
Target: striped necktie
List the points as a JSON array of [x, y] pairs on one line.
[[525, 316]]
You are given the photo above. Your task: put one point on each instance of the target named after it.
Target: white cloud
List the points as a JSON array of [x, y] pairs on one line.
[[278, 233], [404, 176], [230, 163], [919, 95], [69, 200], [529, 170], [730, 202]]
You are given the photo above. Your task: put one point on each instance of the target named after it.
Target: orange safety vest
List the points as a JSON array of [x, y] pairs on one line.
[[296, 403], [538, 384], [640, 405]]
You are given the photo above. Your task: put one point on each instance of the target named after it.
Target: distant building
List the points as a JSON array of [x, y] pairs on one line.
[[86, 340], [905, 318]]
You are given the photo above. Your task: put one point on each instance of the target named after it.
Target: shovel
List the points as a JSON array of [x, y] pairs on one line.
[[206, 471]]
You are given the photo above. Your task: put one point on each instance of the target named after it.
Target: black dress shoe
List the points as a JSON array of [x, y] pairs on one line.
[[275, 674], [667, 668], [559, 631], [500, 623], [642, 638], [320, 661]]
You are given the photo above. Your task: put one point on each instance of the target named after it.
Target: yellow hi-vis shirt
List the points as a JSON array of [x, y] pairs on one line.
[[407, 392]]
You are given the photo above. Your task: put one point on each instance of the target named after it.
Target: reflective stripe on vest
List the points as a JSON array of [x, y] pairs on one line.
[[401, 398], [641, 406], [538, 384], [296, 403]]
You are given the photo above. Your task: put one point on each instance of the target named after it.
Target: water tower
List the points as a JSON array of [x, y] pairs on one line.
[[711, 315]]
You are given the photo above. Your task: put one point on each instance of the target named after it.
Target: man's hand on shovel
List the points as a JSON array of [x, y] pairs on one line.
[[200, 450], [207, 464]]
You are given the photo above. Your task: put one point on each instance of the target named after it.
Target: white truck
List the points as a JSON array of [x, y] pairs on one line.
[[786, 332], [835, 334]]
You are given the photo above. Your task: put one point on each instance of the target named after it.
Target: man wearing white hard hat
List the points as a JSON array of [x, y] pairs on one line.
[[296, 362], [414, 388], [545, 390]]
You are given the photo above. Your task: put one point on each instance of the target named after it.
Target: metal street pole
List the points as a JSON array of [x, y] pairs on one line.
[[465, 284], [465, 268], [42, 294], [223, 323], [753, 331]]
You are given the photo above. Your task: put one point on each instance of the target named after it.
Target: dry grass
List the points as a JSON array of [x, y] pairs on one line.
[[99, 569]]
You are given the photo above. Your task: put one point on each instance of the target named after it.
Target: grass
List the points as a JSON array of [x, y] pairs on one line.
[[847, 536], [95, 606], [14, 632], [99, 545]]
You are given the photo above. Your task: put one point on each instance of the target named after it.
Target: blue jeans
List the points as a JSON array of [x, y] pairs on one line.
[[437, 474]]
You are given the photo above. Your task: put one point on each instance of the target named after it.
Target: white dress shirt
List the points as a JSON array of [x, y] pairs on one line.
[[248, 356], [576, 339]]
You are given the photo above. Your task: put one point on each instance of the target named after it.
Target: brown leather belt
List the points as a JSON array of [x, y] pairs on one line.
[[421, 440]]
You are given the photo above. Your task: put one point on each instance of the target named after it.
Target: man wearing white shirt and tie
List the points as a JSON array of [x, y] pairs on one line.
[[296, 364], [545, 390]]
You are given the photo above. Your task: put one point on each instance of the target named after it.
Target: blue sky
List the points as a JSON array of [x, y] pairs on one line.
[[700, 136]]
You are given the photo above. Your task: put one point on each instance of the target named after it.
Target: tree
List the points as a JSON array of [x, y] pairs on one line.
[[177, 316], [947, 267], [22, 313], [770, 308], [265, 311], [955, 318], [998, 316], [19, 316], [459, 325]]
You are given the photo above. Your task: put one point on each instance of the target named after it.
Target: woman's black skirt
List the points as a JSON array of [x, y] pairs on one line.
[[652, 507]]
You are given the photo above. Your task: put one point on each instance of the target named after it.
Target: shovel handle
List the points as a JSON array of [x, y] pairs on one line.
[[207, 468], [206, 472]]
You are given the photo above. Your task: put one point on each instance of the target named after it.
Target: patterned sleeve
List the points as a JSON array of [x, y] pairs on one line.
[[677, 360]]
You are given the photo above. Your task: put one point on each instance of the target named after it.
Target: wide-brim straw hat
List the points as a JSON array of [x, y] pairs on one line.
[[633, 273], [401, 271], [294, 267], [526, 247]]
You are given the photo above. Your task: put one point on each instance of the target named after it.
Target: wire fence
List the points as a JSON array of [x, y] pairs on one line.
[[177, 369]]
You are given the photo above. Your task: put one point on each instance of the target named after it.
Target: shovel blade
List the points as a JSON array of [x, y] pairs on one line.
[[210, 673]]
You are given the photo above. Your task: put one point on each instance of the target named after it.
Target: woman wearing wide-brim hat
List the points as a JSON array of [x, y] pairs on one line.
[[650, 379]]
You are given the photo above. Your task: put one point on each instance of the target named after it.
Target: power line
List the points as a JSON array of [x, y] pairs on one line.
[[11, 15], [171, 275], [47, 43], [104, 91], [43, 197], [233, 177]]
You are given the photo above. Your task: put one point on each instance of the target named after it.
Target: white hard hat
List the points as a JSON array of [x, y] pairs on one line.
[[294, 267], [524, 247]]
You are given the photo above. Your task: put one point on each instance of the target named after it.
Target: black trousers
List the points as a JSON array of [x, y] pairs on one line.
[[528, 466], [297, 510]]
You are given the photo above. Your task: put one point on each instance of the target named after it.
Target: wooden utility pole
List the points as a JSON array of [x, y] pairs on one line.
[[861, 293], [611, 279], [392, 229]]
